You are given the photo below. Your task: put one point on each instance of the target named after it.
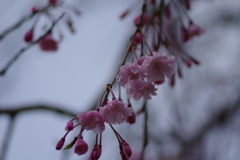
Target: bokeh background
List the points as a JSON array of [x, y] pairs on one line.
[[197, 119]]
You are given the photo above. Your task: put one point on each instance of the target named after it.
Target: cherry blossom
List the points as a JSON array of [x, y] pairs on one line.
[[92, 120], [159, 65], [130, 71], [115, 112], [139, 88]]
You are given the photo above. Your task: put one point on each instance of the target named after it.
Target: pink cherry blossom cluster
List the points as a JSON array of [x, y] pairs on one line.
[[140, 76], [113, 112], [158, 23], [48, 43]]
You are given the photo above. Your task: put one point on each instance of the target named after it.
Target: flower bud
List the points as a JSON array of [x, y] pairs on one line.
[[69, 126], [81, 147], [131, 119], [47, 43], [29, 36], [53, 2], [126, 149], [34, 10], [60, 143]]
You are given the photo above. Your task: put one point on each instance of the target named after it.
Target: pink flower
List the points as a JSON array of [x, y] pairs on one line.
[[29, 36], [48, 43], [139, 88], [92, 120], [159, 65], [130, 71], [81, 147], [192, 31], [115, 112]]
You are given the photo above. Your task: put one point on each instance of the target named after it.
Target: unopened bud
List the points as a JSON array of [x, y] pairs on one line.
[[29, 36], [69, 126], [34, 10], [60, 143], [81, 147], [126, 149]]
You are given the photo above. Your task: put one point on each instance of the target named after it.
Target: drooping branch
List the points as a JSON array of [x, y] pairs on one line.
[[21, 51], [51, 108]]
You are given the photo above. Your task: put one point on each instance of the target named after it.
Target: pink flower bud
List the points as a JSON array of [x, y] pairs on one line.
[[48, 43], [131, 119], [172, 81], [184, 35], [187, 62], [137, 39], [81, 147], [96, 153], [69, 126], [126, 149], [53, 2], [124, 14], [60, 143], [194, 60], [144, 19], [34, 10], [29, 36]]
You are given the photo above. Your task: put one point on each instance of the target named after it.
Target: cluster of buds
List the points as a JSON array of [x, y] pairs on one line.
[[158, 22], [111, 112], [48, 43]]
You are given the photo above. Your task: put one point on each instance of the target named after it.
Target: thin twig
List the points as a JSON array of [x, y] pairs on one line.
[[145, 131], [16, 25], [7, 138], [21, 51]]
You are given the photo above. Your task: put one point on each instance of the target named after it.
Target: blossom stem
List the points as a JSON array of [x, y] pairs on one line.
[[145, 131]]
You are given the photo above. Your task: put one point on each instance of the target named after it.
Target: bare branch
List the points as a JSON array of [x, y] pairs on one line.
[[16, 110], [16, 25], [21, 51], [7, 138]]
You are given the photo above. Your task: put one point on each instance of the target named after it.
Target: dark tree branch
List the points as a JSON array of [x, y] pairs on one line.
[[15, 111], [16, 25], [21, 51], [145, 130], [7, 138]]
